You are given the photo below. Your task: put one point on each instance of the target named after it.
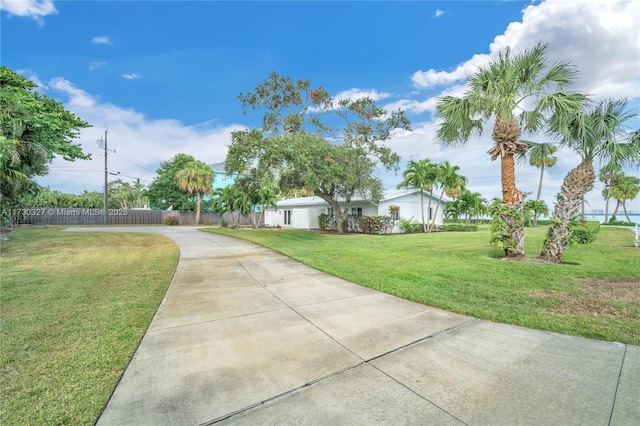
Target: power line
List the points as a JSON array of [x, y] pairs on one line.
[[136, 164]]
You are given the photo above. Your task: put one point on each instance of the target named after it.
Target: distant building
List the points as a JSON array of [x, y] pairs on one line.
[[222, 179]]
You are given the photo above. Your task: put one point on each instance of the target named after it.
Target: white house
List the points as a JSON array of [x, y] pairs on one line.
[[302, 213]]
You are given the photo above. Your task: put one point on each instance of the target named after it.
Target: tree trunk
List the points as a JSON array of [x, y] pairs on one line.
[[198, 198], [514, 201], [615, 211], [515, 229], [435, 215], [429, 210], [577, 183], [540, 183], [606, 209], [424, 227], [624, 208]]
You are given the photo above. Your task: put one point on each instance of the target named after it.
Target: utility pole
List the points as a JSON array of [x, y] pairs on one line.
[[106, 182]]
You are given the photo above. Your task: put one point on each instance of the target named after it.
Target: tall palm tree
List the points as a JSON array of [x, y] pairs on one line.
[[451, 182], [627, 188], [420, 174], [501, 90], [196, 178], [610, 177], [472, 204], [541, 155], [266, 196], [596, 133]]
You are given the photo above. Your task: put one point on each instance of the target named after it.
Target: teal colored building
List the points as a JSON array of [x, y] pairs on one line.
[[222, 179]]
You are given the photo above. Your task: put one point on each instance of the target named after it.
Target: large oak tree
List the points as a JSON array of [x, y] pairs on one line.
[[310, 141]]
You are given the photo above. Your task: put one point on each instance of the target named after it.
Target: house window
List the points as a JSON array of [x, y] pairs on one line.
[[329, 211], [287, 217], [356, 211], [396, 215], [431, 213]]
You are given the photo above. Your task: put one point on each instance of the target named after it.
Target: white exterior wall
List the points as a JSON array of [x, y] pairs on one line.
[[410, 207], [306, 216], [301, 217]]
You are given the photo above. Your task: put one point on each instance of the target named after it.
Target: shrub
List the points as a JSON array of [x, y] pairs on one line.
[[460, 227], [616, 222], [407, 226], [376, 224], [171, 220], [224, 223], [326, 222], [584, 232]]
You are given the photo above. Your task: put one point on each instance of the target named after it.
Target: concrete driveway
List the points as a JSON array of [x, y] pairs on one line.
[[245, 335]]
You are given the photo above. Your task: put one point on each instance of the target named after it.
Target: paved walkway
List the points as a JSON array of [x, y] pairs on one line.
[[247, 336]]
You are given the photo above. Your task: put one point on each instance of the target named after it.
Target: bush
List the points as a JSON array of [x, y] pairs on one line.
[[616, 222], [460, 227], [172, 221], [326, 222], [224, 223], [376, 224], [584, 232], [408, 227]]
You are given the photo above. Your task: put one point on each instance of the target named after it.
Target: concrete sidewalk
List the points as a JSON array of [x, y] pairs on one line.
[[247, 336]]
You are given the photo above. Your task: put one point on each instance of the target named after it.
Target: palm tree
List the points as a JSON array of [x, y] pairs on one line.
[[609, 176], [627, 188], [538, 208], [138, 189], [596, 133], [452, 183], [223, 201], [266, 196], [196, 178], [541, 155], [453, 209], [420, 174], [472, 204], [500, 91]]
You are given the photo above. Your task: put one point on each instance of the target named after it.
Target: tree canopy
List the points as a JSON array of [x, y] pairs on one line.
[[33, 130], [310, 141], [164, 191]]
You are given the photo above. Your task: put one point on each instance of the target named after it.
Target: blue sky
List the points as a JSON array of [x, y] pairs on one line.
[[163, 76]]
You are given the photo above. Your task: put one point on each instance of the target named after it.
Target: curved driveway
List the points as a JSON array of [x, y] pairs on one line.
[[245, 335]]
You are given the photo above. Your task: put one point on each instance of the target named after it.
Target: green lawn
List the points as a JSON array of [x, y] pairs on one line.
[[595, 293], [74, 307]]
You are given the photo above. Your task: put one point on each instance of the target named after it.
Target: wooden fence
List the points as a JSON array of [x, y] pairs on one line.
[[78, 216]]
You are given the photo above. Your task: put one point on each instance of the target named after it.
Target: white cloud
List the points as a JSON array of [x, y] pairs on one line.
[[600, 37], [100, 40], [96, 64], [355, 94], [439, 13], [136, 138], [34, 9], [132, 76], [431, 77], [30, 75]]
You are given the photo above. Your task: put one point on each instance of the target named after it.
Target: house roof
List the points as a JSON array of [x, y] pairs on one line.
[[389, 194], [218, 167]]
